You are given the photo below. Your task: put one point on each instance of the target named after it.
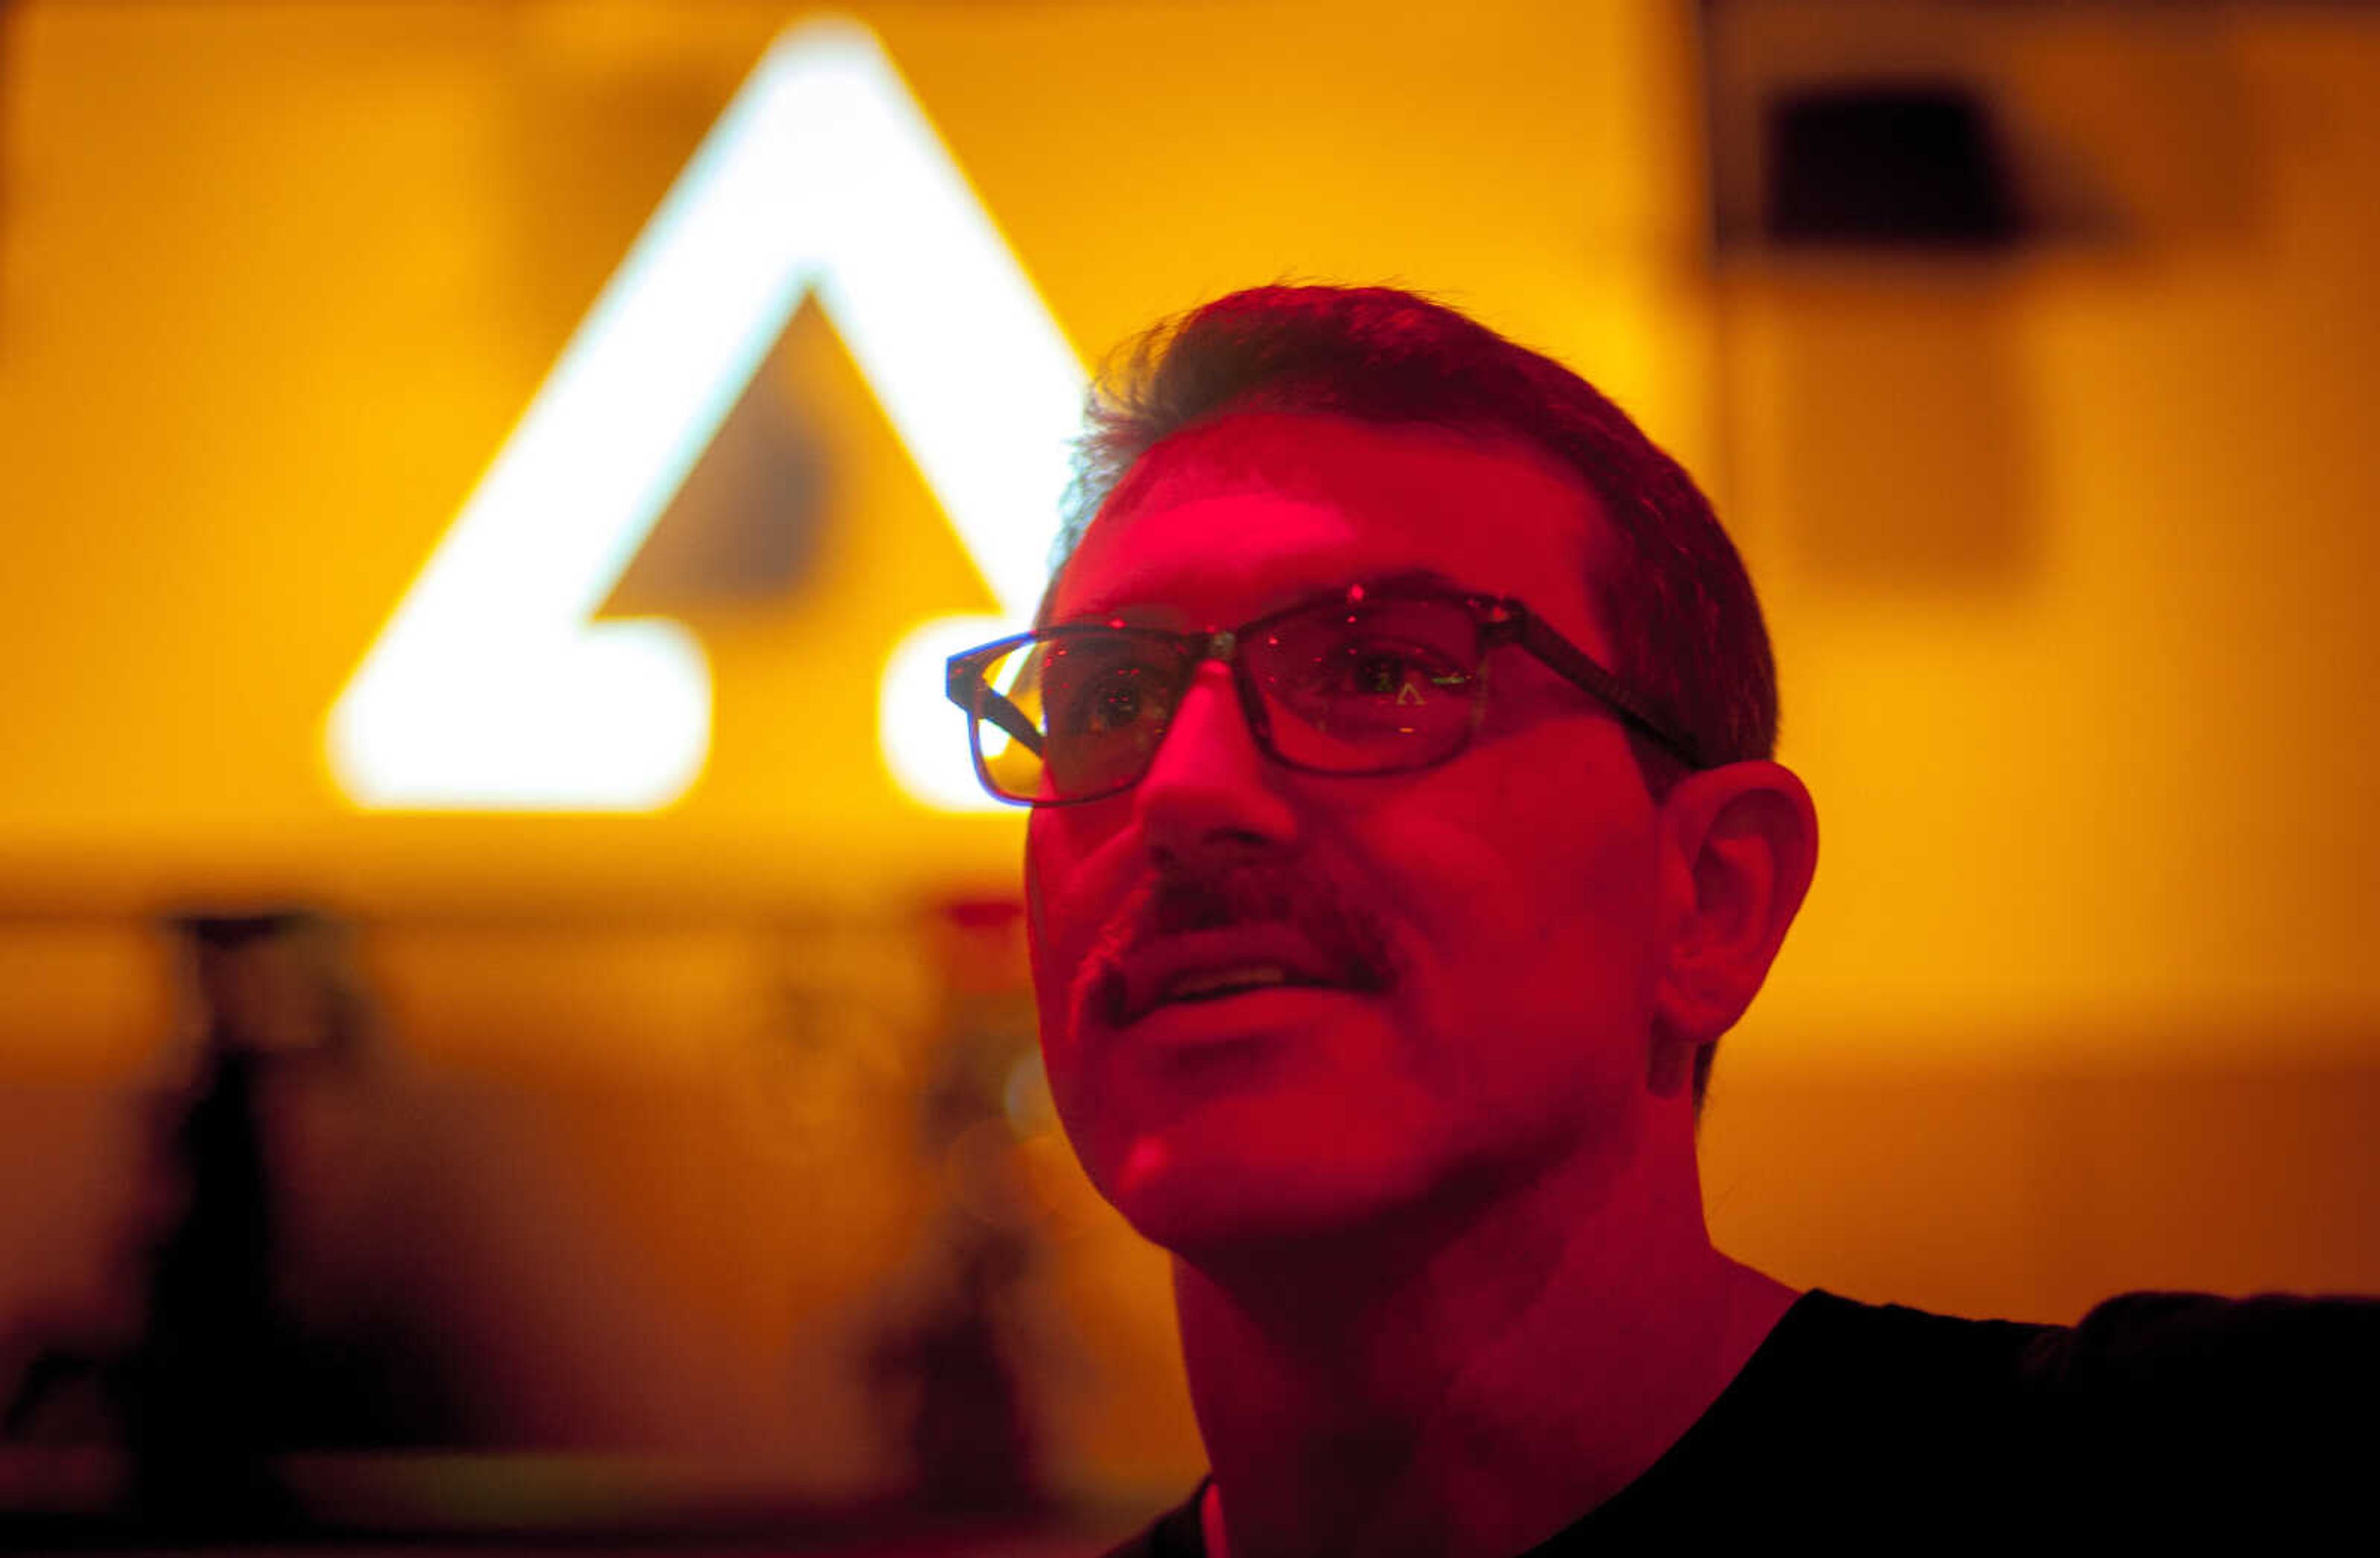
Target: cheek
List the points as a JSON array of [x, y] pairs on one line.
[[1036, 919], [1048, 870], [1047, 941], [1064, 910], [1528, 932]]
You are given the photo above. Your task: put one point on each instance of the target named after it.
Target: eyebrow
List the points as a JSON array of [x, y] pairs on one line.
[[1400, 579]]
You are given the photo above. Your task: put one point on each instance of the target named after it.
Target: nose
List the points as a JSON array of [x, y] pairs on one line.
[[1210, 791]]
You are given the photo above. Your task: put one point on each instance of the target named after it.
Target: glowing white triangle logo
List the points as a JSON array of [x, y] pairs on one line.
[[491, 688]]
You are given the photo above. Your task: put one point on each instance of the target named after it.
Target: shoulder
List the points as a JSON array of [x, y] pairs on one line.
[[2193, 1375], [1861, 1357], [2158, 1412], [2157, 1340], [2197, 1414], [1847, 1416], [2133, 1346], [2163, 1366]]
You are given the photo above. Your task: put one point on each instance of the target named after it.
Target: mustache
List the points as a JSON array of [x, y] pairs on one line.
[[1330, 915]]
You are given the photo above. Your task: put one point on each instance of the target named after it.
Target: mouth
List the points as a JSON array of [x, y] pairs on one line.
[[1222, 983], [1127, 996]]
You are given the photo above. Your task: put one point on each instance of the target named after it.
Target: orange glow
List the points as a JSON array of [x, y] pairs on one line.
[[2066, 553]]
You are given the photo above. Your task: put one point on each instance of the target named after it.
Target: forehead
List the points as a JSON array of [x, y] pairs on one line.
[[1230, 520]]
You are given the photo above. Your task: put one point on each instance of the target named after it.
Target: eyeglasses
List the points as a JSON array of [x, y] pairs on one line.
[[1364, 681]]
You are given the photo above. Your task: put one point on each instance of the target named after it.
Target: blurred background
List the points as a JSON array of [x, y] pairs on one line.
[[471, 1159]]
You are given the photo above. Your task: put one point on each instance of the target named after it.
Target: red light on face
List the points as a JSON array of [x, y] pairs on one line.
[[1507, 888]]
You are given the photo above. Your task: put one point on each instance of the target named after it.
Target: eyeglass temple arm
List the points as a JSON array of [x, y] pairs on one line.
[[1574, 664], [967, 688]]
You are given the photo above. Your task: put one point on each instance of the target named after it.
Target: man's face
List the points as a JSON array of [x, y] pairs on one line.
[[1488, 925]]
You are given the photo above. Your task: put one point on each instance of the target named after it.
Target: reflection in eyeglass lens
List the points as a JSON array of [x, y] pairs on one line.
[[1384, 682]]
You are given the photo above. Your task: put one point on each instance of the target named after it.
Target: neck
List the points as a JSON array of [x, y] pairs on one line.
[[1463, 1393]]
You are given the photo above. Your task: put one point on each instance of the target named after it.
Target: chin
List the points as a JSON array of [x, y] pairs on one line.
[[1214, 1231], [1209, 1186]]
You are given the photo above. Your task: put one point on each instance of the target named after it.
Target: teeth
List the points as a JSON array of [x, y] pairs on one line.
[[1226, 978]]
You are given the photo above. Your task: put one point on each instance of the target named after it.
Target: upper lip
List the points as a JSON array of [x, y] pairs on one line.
[[1151, 969]]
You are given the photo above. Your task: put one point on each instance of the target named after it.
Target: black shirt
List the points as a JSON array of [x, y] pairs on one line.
[[2175, 1416]]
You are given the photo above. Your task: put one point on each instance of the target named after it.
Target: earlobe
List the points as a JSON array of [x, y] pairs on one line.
[[1739, 845]]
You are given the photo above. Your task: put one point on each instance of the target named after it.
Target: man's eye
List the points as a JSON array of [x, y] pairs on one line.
[[1111, 701], [1116, 705]]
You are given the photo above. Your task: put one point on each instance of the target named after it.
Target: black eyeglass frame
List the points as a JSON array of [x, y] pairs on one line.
[[1501, 619]]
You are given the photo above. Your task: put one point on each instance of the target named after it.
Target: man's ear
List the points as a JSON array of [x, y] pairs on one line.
[[1739, 845]]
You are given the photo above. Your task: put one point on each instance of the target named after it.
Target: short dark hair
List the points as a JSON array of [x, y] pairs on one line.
[[1686, 628]]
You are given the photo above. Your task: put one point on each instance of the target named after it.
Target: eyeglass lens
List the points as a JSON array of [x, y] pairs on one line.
[[1347, 689]]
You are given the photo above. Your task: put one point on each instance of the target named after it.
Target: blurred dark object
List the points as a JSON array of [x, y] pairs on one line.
[[200, 1391], [948, 1377], [946, 1364], [1868, 136], [231, 1367], [1897, 165]]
